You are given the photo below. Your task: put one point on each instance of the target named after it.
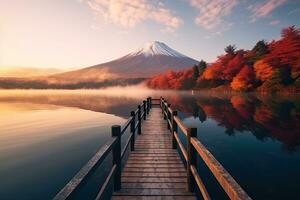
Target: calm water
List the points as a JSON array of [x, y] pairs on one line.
[[47, 136]]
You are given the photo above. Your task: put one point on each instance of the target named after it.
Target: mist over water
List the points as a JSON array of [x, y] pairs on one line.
[[46, 136]]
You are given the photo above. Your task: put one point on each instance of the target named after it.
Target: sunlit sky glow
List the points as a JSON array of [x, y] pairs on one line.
[[80, 33]]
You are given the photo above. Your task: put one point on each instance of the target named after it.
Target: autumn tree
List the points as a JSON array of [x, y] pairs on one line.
[[233, 66], [259, 50], [244, 80], [202, 66], [230, 49], [290, 32], [213, 72], [263, 70], [275, 81], [196, 72], [285, 53]]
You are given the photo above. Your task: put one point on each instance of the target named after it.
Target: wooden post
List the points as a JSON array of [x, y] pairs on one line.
[[132, 130], [164, 106], [192, 159], [174, 129], [150, 102], [116, 152], [148, 105], [139, 120], [144, 108], [168, 115]]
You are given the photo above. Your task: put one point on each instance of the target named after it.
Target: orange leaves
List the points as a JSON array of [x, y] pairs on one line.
[[213, 72], [263, 70], [172, 80], [234, 66], [244, 80]]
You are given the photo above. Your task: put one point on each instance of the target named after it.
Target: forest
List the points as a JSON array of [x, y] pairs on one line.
[[268, 67]]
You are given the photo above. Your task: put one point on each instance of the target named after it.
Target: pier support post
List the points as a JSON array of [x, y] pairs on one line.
[[116, 152], [192, 159], [144, 109], [139, 120], [164, 109], [150, 102], [162, 104], [132, 130], [174, 129], [168, 115], [148, 105]]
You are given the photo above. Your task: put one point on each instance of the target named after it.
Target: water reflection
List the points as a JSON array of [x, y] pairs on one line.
[[265, 117], [55, 132]]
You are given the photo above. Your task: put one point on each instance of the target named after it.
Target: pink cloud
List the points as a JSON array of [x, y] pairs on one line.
[[129, 13], [263, 9], [274, 22], [211, 13]]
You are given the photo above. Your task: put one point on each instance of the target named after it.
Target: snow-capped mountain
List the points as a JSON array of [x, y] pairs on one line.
[[156, 48], [151, 59]]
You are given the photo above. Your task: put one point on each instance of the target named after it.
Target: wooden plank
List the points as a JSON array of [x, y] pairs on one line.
[[142, 165], [153, 198], [139, 169], [153, 154], [154, 162], [154, 185], [154, 174], [153, 192], [154, 180], [152, 158]]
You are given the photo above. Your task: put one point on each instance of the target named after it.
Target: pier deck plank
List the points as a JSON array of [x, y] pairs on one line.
[[154, 170]]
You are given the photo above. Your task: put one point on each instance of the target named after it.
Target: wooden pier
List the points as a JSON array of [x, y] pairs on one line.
[[154, 168]]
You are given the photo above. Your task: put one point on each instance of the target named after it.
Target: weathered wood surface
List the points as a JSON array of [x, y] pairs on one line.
[[154, 170]]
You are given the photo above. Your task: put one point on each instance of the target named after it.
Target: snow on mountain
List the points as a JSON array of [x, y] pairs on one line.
[[152, 59], [156, 48]]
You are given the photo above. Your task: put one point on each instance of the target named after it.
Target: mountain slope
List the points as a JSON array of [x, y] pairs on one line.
[[152, 59]]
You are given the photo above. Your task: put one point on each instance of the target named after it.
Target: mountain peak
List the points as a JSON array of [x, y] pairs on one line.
[[156, 48]]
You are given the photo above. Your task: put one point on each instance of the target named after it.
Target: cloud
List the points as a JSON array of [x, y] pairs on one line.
[[261, 10], [212, 13], [130, 13], [294, 11], [274, 22]]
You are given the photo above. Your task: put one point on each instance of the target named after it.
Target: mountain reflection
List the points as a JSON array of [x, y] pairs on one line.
[[119, 106]]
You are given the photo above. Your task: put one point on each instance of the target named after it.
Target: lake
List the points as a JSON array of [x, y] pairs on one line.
[[47, 136]]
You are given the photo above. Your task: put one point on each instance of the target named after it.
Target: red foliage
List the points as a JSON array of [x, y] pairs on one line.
[[172, 80], [234, 66], [263, 70], [213, 72], [244, 80], [238, 71], [286, 51]]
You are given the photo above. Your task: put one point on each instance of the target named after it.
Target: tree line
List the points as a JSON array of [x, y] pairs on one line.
[[268, 67]]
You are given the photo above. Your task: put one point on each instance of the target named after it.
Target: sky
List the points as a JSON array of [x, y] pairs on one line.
[[80, 33]]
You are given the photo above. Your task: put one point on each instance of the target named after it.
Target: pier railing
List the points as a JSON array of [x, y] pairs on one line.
[[193, 148], [112, 146]]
